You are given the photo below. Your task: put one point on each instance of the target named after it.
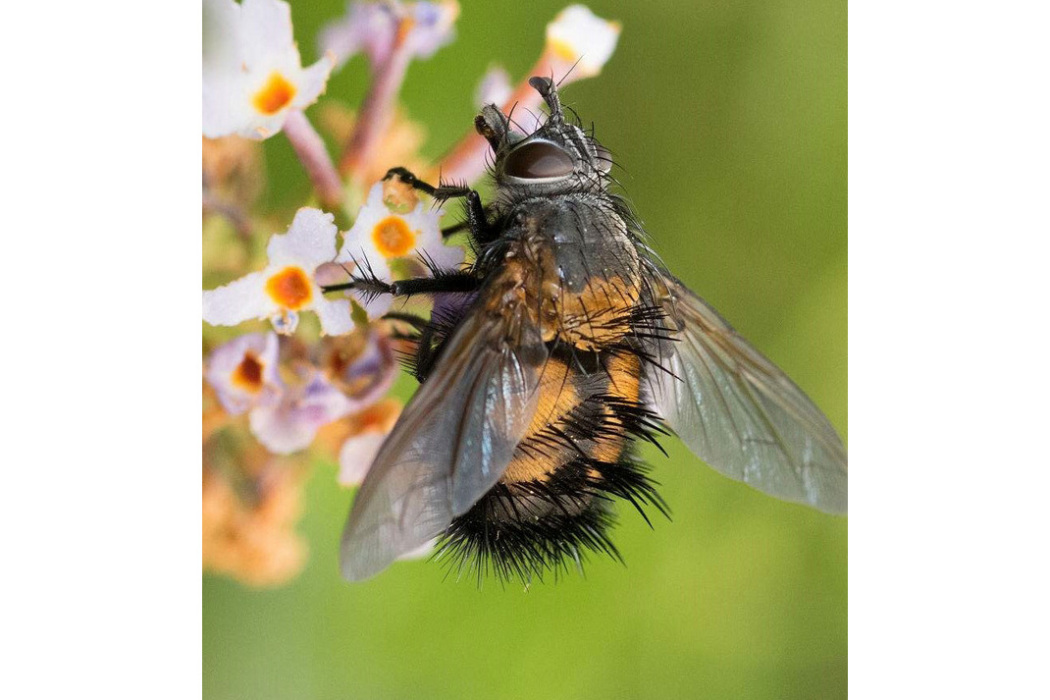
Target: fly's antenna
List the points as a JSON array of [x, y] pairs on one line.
[[571, 69], [549, 93]]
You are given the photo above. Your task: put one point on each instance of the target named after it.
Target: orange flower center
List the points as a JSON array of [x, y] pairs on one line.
[[248, 375], [393, 238], [290, 288], [562, 50], [274, 95]]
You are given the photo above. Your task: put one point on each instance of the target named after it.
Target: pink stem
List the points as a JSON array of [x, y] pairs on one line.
[[377, 112], [311, 150]]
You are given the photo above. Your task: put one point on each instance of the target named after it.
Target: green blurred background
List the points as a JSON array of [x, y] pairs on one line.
[[729, 119]]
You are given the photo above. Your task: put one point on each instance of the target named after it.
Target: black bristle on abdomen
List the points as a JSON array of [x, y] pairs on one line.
[[530, 529]]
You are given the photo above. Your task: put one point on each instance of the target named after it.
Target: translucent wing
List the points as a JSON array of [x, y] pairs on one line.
[[452, 442], [738, 412]]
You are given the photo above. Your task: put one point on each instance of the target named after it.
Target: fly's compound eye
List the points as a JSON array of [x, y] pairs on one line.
[[538, 160]]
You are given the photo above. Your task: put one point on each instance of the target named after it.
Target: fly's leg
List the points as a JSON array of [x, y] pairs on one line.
[[417, 322], [447, 282], [477, 221], [426, 352], [424, 356], [456, 228], [409, 178]]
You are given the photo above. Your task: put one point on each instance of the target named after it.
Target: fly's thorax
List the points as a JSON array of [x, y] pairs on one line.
[[575, 260]]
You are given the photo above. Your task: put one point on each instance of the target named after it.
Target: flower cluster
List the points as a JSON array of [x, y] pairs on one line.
[[304, 376]]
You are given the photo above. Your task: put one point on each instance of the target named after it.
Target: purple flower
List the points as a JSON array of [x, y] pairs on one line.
[[376, 28], [243, 372], [290, 424]]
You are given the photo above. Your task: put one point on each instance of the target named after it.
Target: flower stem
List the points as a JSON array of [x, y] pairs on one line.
[[377, 113], [315, 159]]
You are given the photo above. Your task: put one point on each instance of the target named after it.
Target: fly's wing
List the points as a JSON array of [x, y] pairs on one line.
[[738, 412], [453, 441]]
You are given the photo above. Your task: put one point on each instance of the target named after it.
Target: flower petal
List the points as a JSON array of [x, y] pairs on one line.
[[374, 306], [292, 424], [221, 36], [253, 73], [431, 26], [370, 264], [368, 26], [431, 245], [377, 28], [495, 87], [278, 432], [334, 315], [577, 34], [225, 108], [356, 456], [238, 301], [361, 262], [312, 82], [370, 376], [266, 33], [412, 235], [228, 106], [260, 127], [358, 244], [310, 240], [243, 372]]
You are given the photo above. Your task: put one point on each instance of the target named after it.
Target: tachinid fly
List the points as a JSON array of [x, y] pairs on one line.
[[547, 359]]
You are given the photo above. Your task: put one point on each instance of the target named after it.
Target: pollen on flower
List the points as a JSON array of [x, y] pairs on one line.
[[393, 238], [563, 50], [274, 95], [248, 374], [290, 288]]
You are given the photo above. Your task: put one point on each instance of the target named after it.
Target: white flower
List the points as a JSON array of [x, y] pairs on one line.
[[243, 372], [380, 235], [577, 34], [376, 28], [287, 285], [253, 74]]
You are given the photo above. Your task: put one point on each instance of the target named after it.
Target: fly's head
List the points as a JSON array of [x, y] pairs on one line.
[[558, 157]]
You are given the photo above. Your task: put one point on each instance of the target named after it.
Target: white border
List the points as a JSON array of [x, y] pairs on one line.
[[948, 268], [101, 357]]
